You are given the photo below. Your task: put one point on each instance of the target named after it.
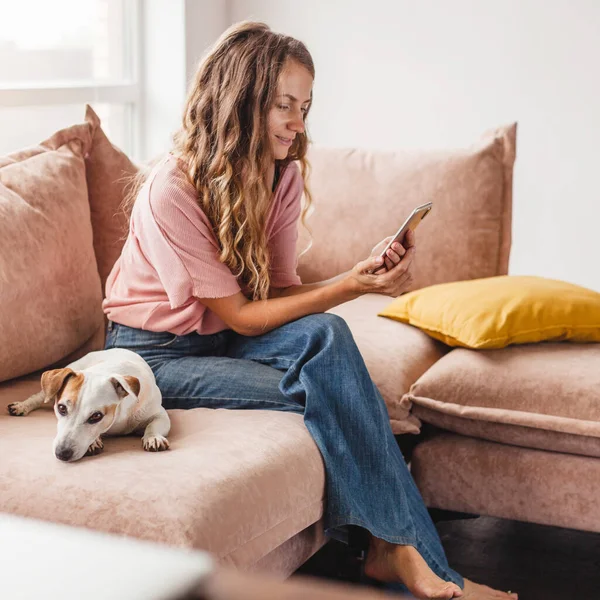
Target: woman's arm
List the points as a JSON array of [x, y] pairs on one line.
[[255, 318], [394, 257], [292, 290]]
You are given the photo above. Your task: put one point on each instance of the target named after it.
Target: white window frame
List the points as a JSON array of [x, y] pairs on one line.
[[127, 92]]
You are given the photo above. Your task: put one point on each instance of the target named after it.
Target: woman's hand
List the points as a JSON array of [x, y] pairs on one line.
[[392, 279], [393, 255]]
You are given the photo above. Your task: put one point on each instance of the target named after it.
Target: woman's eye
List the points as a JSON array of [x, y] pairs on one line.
[[62, 409], [95, 418], [283, 106]]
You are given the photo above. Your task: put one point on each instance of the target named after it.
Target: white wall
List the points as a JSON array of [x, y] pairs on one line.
[[175, 35], [426, 73], [163, 74]]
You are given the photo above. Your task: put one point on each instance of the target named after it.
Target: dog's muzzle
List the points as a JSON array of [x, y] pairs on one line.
[[65, 454]]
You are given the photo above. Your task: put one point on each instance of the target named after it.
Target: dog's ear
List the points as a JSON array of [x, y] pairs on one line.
[[54, 381], [126, 385], [134, 384]]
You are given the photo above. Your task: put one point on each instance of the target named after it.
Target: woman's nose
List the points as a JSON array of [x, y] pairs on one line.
[[297, 125]]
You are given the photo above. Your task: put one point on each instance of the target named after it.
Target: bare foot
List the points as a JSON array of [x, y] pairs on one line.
[[474, 591], [390, 562]]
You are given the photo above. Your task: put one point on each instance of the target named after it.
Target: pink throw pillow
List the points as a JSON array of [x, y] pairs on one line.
[[108, 173], [50, 288]]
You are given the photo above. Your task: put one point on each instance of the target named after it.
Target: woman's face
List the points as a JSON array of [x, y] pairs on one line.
[[286, 117]]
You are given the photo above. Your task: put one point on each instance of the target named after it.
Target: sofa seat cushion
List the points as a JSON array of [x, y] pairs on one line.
[[543, 395], [396, 354], [236, 483], [454, 472]]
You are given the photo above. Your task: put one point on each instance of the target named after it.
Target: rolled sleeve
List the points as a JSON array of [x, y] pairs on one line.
[[181, 247]]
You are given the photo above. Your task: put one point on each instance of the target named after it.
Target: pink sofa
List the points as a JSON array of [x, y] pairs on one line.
[[249, 486]]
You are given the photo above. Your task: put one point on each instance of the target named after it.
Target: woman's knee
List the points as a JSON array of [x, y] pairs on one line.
[[328, 324]]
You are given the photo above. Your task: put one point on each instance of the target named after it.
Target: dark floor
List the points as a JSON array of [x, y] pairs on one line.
[[538, 562]]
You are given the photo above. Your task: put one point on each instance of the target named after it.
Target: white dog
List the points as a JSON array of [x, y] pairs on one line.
[[109, 392]]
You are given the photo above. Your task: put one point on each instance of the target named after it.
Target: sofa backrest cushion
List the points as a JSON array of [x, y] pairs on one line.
[[50, 288], [109, 174], [361, 197]]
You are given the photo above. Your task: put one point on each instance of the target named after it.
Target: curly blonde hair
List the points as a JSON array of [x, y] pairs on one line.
[[223, 142]]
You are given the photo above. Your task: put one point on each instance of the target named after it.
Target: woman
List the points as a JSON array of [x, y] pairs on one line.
[[206, 291]]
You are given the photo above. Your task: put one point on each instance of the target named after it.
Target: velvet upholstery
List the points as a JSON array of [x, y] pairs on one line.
[[293, 553], [464, 474], [236, 483], [531, 395], [361, 197], [109, 175], [51, 297]]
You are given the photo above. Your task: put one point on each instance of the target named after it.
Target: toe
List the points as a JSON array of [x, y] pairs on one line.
[[149, 444], [155, 444], [447, 592]]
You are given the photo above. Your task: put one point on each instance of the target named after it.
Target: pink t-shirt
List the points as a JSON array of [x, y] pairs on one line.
[[170, 257]]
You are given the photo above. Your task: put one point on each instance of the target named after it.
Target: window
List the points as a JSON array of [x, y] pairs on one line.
[[57, 56]]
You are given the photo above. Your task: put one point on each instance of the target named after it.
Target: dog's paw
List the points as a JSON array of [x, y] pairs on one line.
[[95, 448], [155, 443], [17, 409]]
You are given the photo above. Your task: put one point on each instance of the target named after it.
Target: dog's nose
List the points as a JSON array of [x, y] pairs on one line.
[[64, 454]]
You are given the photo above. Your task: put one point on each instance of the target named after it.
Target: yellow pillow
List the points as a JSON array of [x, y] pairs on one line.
[[497, 311]]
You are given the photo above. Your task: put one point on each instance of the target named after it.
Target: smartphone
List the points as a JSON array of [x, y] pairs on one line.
[[417, 215]]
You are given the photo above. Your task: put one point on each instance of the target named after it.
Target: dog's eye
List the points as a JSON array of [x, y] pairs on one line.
[[62, 409], [95, 418]]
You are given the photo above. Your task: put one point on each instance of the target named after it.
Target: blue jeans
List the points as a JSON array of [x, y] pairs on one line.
[[310, 366]]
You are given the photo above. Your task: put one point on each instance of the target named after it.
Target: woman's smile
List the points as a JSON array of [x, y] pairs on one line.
[[285, 141]]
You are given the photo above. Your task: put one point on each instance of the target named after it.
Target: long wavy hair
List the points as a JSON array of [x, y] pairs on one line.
[[224, 144]]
